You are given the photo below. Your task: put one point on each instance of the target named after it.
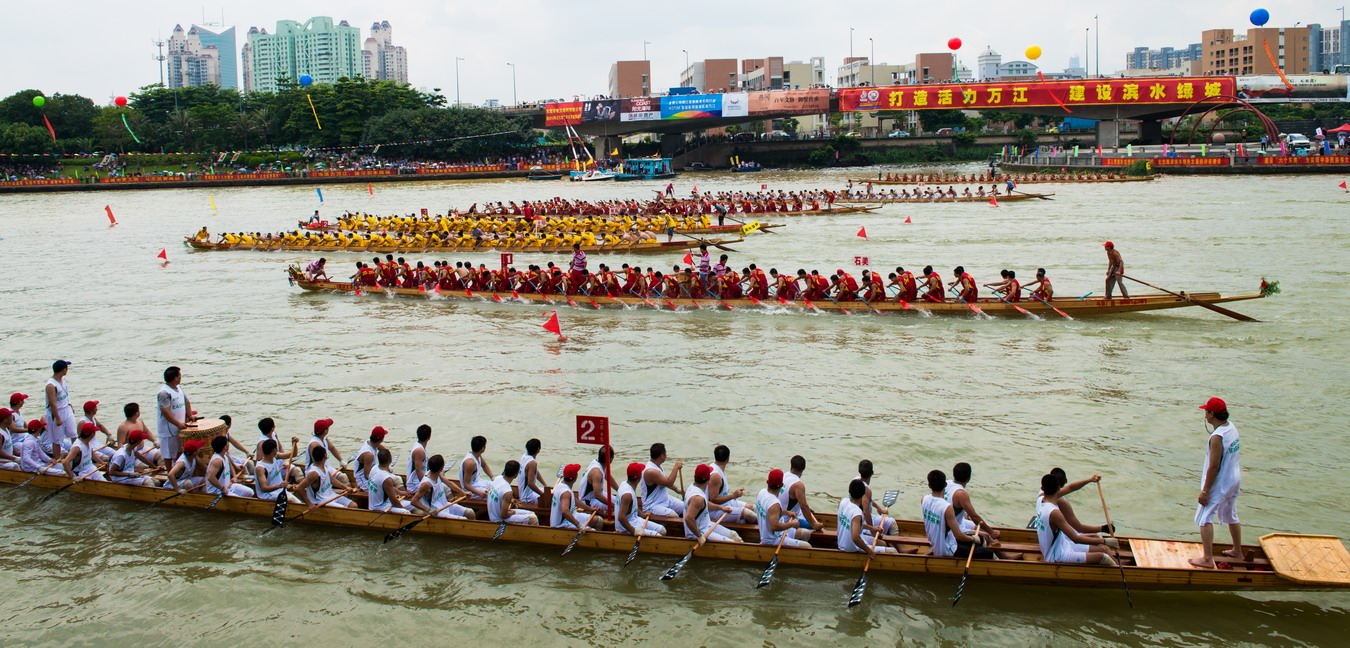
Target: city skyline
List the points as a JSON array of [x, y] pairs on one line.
[[555, 55]]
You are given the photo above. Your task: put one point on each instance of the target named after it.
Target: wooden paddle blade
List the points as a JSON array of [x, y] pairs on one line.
[[768, 573], [573, 544], [398, 533], [54, 493], [858, 590], [215, 501], [675, 569], [500, 530], [889, 498], [279, 512], [960, 587], [632, 555]]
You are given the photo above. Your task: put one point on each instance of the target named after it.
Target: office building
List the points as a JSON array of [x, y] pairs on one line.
[[201, 55], [630, 79], [1225, 53], [1143, 58], [993, 68], [711, 75], [762, 73], [1325, 49], [858, 71], [380, 58], [323, 50], [803, 76]]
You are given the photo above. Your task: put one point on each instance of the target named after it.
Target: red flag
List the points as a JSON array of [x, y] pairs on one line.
[[993, 201], [1341, 185], [695, 188], [552, 325], [163, 254], [862, 232], [113, 219], [49, 128], [370, 188], [689, 258], [907, 219]]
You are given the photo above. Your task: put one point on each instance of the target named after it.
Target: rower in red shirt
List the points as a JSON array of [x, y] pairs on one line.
[[969, 291], [389, 272], [822, 285], [933, 283], [578, 264], [759, 283], [783, 286], [846, 287], [631, 278], [875, 290], [1044, 290]]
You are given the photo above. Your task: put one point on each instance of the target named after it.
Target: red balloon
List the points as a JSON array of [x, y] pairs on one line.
[[120, 101], [954, 44]]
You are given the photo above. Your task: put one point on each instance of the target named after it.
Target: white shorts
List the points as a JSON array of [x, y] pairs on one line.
[[236, 490], [95, 476], [527, 496], [519, 517], [567, 524], [790, 541], [737, 514], [9, 465], [886, 523], [454, 512], [340, 502], [666, 509], [649, 529], [134, 481], [595, 503], [1070, 556], [170, 446], [396, 509], [1223, 511]]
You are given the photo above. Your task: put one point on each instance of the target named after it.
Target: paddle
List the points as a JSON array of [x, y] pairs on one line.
[[969, 305], [888, 498], [72, 483], [1015, 306], [277, 524], [773, 564], [580, 532], [215, 501], [1040, 196], [37, 474], [640, 531], [858, 293], [761, 228], [675, 569], [588, 296], [398, 533], [176, 494], [707, 242], [686, 294], [1050, 306], [860, 587], [1112, 527], [961, 586], [843, 310], [1198, 302]]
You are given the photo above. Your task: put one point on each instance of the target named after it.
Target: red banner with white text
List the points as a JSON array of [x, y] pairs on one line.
[[1036, 94]]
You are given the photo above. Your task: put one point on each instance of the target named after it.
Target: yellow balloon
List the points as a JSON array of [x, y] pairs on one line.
[[1034, 52]]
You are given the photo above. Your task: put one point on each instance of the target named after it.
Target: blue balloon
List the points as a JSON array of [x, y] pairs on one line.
[[1260, 17], [306, 80]]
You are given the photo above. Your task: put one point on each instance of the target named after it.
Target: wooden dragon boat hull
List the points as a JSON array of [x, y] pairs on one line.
[[644, 248], [1284, 562], [959, 199], [714, 229], [986, 181]]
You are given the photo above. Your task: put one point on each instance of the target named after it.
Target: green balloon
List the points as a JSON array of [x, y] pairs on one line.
[[39, 101]]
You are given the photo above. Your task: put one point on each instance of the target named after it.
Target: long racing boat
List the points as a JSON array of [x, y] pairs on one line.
[[650, 247], [879, 199]]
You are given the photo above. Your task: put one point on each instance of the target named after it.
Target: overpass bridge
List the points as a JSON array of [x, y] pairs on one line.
[[1109, 100]]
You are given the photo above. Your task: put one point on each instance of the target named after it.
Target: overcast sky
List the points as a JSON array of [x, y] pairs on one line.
[[565, 48]]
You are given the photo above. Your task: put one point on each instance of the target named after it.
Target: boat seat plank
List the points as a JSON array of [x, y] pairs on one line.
[[1165, 554], [1309, 559]]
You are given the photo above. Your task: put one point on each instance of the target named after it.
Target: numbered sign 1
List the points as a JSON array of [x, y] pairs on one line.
[[507, 258], [593, 430]]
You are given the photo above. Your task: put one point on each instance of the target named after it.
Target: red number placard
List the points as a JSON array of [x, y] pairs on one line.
[[593, 430]]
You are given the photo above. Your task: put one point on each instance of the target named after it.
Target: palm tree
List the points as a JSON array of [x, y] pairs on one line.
[[245, 125], [266, 122], [183, 123]]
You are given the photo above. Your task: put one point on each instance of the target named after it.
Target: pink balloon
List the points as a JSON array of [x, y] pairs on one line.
[[954, 44], [120, 101]]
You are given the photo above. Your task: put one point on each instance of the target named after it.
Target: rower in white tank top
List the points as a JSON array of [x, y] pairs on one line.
[[7, 446], [585, 494], [764, 501], [221, 470], [557, 506], [321, 440], [362, 476], [523, 489], [962, 520], [479, 481], [848, 511], [703, 520], [322, 490], [1055, 546], [788, 504], [736, 506], [412, 479], [85, 466], [940, 537], [273, 470], [124, 461], [437, 498], [656, 499], [634, 519], [189, 480], [378, 500], [497, 489], [101, 449]]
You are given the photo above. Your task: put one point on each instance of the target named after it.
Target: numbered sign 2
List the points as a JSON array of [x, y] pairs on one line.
[[593, 430]]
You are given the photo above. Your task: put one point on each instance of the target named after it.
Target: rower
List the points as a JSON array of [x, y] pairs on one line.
[[267, 432], [8, 459], [773, 520], [472, 469], [316, 272], [366, 457], [317, 486], [530, 485], [101, 448], [417, 457], [657, 485], [244, 463], [717, 483], [946, 535], [500, 496], [933, 283], [122, 466], [1044, 291], [1065, 489], [970, 291], [627, 506], [218, 473], [1221, 480], [32, 458], [1058, 538], [320, 440], [696, 505], [133, 423], [854, 533], [565, 509], [597, 480], [186, 472], [386, 492], [80, 462], [269, 479], [1002, 285], [17, 424], [879, 517], [792, 497], [955, 492], [430, 494]]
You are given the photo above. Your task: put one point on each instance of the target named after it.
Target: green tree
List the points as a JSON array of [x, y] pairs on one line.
[[789, 124], [932, 120], [23, 138]]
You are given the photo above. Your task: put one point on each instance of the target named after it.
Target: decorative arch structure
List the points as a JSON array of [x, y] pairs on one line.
[[1238, 106]]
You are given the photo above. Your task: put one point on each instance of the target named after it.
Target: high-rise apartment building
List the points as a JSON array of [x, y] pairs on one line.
[[1163, 58], [630, 79], [1226, 53], [1326, 47], [199, 56], [711, 75], [380, 58], [319, 48]]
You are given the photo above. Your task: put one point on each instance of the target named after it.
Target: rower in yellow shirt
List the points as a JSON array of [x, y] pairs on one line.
[[202, 235]]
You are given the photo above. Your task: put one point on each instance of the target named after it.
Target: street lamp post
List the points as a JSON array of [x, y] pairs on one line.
[[457, 60], [872, 63], [1098, 27], [515, 100], [644, 49], [1087, 49], [686, 64]]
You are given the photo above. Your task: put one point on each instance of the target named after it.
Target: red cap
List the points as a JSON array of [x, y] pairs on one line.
[[90, 405], [775, 478], [135, 437], [702, 472], [839, 271], [1108, 244], [1214, 405], [191, 447], [16, 398], [570, 472], [322, 425], [37, 425], [635, 470], [87, 428], [378, 433]]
